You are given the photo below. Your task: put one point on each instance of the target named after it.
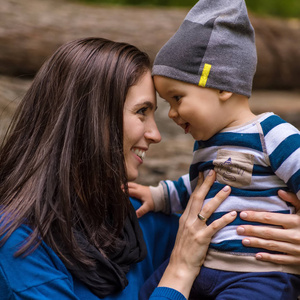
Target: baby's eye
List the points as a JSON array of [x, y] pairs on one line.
[[177, 98]]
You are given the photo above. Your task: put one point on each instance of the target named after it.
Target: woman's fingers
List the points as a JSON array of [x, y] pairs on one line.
[[198, 214], [194, 236], [291, 248], [269, 233], [197, 198], [218, 224], [201, 186], [284, 220], [282, 259], [200, 190], [291, 252], [272, 245], [285, 239], [214, 203], [291, 198], [209, 208], [195, 204]]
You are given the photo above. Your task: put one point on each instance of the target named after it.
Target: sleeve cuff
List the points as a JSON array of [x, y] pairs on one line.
[[161, 293], [157, 193]]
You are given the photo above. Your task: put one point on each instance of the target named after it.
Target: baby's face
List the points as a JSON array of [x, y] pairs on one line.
[[197, 110]]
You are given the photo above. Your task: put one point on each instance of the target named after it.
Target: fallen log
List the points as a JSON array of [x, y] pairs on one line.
[[31, 30]]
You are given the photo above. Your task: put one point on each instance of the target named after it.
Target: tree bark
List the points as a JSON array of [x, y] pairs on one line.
[[32, 30]]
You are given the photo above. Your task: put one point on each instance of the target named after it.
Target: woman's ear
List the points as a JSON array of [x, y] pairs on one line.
[[224, 95]]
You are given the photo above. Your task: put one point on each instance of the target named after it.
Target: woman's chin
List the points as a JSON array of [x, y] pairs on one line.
[[131, 176]]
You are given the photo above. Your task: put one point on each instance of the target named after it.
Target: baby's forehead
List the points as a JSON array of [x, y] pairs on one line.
[[166, 84]]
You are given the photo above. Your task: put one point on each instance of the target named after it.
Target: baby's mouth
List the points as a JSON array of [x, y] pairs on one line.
[[186, 127]]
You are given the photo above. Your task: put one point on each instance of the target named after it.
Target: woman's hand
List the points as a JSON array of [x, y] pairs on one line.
[[194, 236], [285, 239]]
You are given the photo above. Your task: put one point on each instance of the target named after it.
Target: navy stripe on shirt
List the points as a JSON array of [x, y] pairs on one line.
[[244, 140], [271, 122], [284, 150], [238, 221], [293, 182], [236, 246]]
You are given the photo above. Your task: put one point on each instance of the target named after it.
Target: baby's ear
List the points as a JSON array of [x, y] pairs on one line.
[[224, 95]]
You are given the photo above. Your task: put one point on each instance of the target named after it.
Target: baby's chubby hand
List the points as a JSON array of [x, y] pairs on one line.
[[142, 193]]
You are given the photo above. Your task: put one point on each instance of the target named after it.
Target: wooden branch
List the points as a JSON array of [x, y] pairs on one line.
[[32, 30]]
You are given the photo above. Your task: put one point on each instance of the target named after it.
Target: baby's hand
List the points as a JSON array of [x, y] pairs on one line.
[[142, 193]]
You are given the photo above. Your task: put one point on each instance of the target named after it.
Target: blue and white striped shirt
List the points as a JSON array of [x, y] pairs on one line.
[[256, 160]]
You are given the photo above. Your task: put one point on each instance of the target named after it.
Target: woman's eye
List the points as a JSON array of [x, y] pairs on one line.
[[142, 111]]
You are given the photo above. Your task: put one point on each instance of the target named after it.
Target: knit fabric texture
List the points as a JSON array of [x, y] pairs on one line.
[[214, 47]]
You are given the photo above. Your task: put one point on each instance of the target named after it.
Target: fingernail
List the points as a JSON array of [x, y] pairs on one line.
[[240, 230], [233, 213], [211, 172], [246, 242], [226, 188], [282, 191], [258, 256], [243, 215]]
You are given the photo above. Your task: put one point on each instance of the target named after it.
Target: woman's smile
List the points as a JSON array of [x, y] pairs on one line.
[[139, 152]]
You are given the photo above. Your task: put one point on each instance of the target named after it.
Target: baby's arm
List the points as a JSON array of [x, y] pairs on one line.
[[168, 197], [283, 146]]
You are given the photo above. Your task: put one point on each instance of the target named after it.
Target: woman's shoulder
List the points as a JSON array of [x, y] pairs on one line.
[[35, 275]]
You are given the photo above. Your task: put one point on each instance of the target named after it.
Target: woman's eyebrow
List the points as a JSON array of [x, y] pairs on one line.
[[147, 103]]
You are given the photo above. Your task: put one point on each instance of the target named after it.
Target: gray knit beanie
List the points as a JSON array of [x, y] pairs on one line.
[[214, 47]]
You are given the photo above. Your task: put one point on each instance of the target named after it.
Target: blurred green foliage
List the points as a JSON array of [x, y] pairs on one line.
[[279, 8]]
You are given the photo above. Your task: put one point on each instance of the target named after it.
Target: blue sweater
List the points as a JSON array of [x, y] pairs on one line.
[[42, 275]]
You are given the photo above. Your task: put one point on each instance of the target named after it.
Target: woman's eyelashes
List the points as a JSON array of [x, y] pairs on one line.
[[145, 108], [142, 111]]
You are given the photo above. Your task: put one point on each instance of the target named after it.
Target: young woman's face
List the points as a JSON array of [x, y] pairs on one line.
[[140, 129]]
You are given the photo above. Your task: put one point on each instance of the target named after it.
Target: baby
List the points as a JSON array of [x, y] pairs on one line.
[[205, 73]]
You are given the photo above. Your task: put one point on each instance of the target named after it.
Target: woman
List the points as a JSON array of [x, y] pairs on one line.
[[68, 229]]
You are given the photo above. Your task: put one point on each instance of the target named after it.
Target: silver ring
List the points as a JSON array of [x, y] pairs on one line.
[[202, 218]]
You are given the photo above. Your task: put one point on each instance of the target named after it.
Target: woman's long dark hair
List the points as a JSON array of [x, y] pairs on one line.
[[62, 164]]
